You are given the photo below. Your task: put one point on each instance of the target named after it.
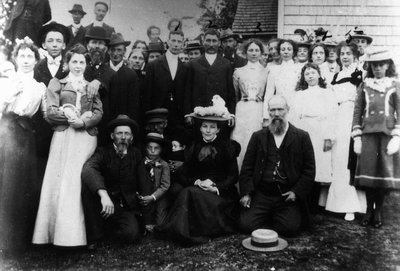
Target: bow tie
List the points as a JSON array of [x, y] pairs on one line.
[[52, 61]]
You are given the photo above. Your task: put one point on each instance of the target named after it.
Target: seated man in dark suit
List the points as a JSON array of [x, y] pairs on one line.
[[76, 29], [110, 185], [100, 11], [277, 175]]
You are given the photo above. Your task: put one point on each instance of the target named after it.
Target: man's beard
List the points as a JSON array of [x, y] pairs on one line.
[[277, 126], [122, 146], [96, 56]]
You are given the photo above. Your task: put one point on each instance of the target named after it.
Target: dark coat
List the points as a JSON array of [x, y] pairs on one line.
[[205, 81], [109, 29], [123, 96], [106, 170], [298, 161], [79, 38], [159, 86]]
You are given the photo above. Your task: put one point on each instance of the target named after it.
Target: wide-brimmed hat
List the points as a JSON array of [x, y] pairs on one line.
[[216, 112], [155, 47], [193, 45], [55, 27], [228, 33], [97, 33], [155, 137], [330, 43], [118, 39], [264, 240], [77, 8], [361, 35], [378, 55], [156, 115], [123, 120]]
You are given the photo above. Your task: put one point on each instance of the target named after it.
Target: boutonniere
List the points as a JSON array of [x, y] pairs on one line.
[[157, 164]]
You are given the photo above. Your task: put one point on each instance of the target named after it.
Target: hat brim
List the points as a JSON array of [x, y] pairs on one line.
[[235, 36], [126, 43], [158, 140], [80, 11], [282, 244], [368, 38], [194, 48], [56, 27], [211, 118], [123, 122], [88, 38]]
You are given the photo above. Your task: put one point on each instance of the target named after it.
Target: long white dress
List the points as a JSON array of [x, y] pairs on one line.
[[282, 79], [313, 110], [342, 197], [249, 82]]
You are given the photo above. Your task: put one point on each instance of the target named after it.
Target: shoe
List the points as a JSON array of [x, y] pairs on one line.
[[367, 219], [91, 246], [349, 217], [378, 220]]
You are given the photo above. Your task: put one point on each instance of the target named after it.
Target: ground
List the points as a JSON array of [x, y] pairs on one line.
[[334, 245]]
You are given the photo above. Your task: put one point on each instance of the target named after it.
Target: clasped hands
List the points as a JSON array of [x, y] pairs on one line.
[[207, 185]]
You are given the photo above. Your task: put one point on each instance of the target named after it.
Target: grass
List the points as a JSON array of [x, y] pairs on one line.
[[335, 244]]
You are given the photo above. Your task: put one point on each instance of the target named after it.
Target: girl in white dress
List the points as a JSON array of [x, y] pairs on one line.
[[249, 83], [313, 110], [342, 197], [74, 116]]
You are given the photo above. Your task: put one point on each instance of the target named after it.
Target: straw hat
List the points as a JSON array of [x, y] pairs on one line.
[[378, 55], [216, 112], [264, 240]]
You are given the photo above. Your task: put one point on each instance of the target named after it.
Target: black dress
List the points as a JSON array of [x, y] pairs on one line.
[[198, 215]]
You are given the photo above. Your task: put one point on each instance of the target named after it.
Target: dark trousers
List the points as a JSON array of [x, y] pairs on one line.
[[122, 225], [272, 212]]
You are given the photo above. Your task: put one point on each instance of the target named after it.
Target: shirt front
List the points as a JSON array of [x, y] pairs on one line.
[[172, 61], [116, 67], [53, 64], [210, 58]]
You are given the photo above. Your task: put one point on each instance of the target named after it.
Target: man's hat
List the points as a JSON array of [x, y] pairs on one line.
[[228, 33], [155, 47], [118, 39], [155, 137], [55, 27], [361, 35], [378, 55], [123, 120], [156, 115], [264, 240], [97, 33], [194, 45], [77, 8]]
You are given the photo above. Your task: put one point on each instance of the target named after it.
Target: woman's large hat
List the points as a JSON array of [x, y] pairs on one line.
[[54, 27], [216, 112], [123, 120], [361, 35], [193, 45], [378, 55], [264, 240]]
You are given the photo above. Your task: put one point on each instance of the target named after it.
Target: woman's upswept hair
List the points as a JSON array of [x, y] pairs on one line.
[[76, 49], [353, 47], [257, 42], [390, 72], [23, 44], [302, 84], [294, 46]]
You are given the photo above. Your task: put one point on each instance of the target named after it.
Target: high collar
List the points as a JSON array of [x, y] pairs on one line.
[[116, 67], [210, 141]]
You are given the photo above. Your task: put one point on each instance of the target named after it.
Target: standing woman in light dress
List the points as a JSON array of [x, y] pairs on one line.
[[282, 79], [342, 197], [249, 83], [20, 98], [60, 219], [313, 110]]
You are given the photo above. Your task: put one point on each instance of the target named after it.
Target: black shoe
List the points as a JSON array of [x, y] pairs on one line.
[[378, 220], [91, 246], [367, 219]]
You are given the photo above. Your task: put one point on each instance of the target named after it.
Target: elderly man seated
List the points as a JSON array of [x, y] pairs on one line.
[[277, 175]]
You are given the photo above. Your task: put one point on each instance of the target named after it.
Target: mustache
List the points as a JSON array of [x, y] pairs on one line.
[[96, 55], [277, 126]]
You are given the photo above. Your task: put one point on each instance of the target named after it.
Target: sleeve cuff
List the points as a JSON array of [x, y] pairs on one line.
[[154, 197], [356, 132]]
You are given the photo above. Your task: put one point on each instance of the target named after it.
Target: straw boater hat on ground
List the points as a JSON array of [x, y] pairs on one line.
[[123, 120], [378, 55], [264, 240], [216, 112], [361, 35]]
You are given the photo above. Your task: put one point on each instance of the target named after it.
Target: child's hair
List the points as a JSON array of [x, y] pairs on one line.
[[390, 72], [23, 44], [302, 84], [353, 47]]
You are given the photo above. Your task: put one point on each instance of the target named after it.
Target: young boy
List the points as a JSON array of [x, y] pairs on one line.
[[155, 181]]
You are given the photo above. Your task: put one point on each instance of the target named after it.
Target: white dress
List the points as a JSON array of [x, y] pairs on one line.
[[60, 219], [318, 121], [282, 79], [342, 197], [249, 82]]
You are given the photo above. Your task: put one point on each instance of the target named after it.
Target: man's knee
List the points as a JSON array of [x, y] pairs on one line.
[[246, 222], [128, 229], [287, 228]]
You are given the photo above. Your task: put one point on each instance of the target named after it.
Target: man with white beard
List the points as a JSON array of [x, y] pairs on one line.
[[110, 185], [277, 175]]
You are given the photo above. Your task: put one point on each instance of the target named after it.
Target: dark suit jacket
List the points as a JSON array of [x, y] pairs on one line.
[[79, 38], [106, 170], [159, 85], [298, 161], [205, 81], [123, 95], [109, 29]]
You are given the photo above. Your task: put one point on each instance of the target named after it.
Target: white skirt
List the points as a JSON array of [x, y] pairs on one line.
[[60, 219]]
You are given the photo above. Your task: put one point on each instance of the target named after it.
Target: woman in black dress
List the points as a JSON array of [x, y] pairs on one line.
[[205, 208]]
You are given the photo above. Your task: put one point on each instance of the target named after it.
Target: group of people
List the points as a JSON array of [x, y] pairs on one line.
[[97, 142]]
